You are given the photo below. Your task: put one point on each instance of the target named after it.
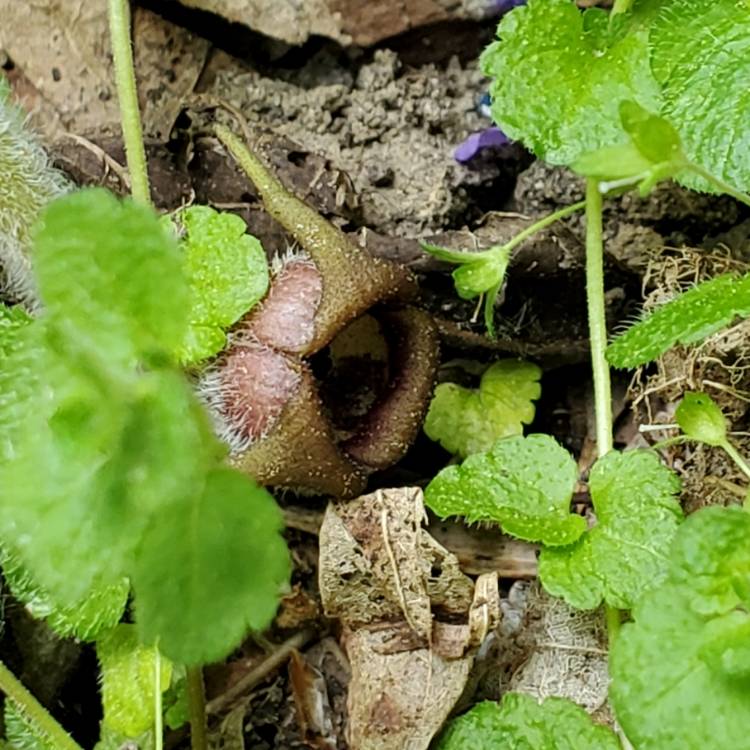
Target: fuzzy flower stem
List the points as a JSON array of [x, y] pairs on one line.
[[34, 711], [127, 93]]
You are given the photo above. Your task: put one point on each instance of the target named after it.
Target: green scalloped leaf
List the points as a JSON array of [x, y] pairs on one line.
[[468, 420], [524, 484], [85, 253], [93, 396], [522, 723], [227, 273], [559, 76], [209, 574], [681, 670], [100, 610], [128, 681], [700, 54], [625, 553], [687, 319]]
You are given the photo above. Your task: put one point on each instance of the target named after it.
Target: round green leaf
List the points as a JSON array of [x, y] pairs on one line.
[[525, 484]]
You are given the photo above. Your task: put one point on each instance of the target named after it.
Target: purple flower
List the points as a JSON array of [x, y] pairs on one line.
[[498, 7], [490, 138]]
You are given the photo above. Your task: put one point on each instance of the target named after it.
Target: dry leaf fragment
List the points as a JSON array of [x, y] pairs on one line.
[[414, 620], [566, 651], [399, 701], [377, 563]]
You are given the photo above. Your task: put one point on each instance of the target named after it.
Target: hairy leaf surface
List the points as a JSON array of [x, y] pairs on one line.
[[687, 319], [522, 723], [210, 573], [100, 610], [625, 553], [700, 53], [111, 278], [681, 670], [525, 484], [559, 77]]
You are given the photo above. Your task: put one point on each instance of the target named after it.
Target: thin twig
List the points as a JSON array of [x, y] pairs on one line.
[[259, 673], [109, 162]]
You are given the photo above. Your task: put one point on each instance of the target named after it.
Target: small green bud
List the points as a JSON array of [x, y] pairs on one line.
[[700, 418], [481, 275]]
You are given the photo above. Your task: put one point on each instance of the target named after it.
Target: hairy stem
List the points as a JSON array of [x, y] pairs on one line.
[[127, 94], [197, 709], [725, 187], [598, 342], [597, 317], [543, 223], [30, 707]]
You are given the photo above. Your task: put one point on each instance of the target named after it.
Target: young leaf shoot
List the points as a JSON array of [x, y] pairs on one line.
[[467, 420]]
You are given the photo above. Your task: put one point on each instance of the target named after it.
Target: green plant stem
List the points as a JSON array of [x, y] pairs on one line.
[[725, 187], [621, 6], [737, 457], [158, 709], [597, 317], [460, 257], [127, 94], [30, 707], [598, 342], [543, 223], [676, 440], [197, 708]]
